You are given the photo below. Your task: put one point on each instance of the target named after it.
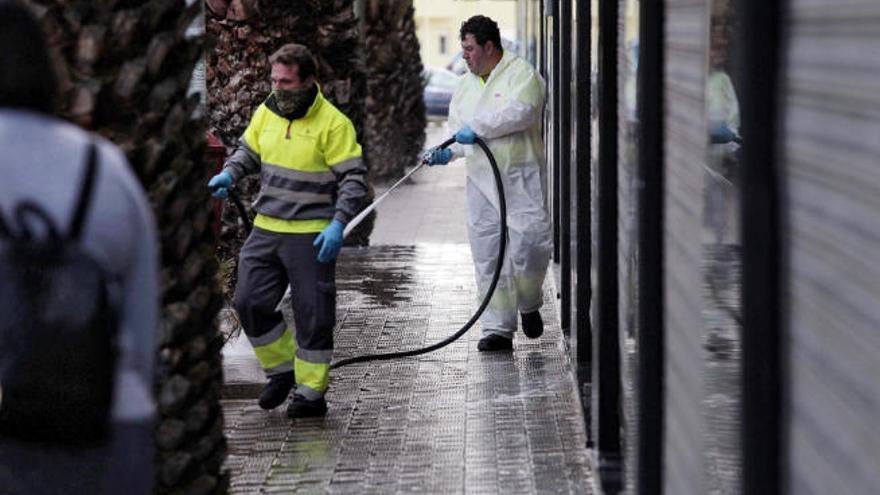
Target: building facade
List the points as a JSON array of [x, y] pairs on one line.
[[438, 22], [713, 183]]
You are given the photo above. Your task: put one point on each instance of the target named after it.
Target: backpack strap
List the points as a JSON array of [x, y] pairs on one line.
[[85, 195], [4, 230]]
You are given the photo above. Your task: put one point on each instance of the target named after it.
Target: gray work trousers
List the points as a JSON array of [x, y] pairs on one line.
[[268, 262]]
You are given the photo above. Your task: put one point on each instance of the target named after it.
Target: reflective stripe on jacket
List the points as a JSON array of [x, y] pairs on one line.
[[310, 168]]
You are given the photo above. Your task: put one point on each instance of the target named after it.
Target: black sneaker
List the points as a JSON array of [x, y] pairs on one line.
[[532, 324], [300, 407], [494, 342], [276, 390]]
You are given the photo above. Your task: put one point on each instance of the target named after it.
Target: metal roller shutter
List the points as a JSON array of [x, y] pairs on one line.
[[686, 48], [831, 152]]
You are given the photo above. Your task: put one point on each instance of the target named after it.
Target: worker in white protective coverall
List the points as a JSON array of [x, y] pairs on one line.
[[501, 100]]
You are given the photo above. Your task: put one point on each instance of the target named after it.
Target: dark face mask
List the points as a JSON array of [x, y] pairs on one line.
[[289, 100]]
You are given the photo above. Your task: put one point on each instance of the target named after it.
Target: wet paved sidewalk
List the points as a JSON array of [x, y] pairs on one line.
[[452, 421]]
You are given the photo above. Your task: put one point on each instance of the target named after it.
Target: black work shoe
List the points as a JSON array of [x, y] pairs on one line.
[[532, 324], [494, 342], [300, 407], [276, 390]]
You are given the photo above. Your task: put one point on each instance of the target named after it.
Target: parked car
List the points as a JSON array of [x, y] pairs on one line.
[[439, 86]]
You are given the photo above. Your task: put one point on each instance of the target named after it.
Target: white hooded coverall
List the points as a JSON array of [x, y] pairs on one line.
[[506, 112]]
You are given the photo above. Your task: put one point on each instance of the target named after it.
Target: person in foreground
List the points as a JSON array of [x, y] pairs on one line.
[[42, 169], [312, 183], [501, 100]]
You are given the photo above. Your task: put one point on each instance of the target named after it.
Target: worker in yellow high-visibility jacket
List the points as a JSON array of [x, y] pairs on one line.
[[501, 100], [312, 183]]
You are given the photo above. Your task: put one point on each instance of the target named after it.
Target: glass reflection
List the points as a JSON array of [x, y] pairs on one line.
[[628, 237], [721, 258], [722, 211]]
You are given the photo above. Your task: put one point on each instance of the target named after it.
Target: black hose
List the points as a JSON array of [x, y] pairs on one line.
[[502, 246], [239, 207]]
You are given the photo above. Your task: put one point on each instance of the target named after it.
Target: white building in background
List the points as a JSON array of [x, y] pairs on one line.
[[438, 22]]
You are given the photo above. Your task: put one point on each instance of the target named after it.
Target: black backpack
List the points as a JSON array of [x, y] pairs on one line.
[[58, 328]]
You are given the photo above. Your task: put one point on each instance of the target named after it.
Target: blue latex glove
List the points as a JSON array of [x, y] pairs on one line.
[[219, 184], [437, 156], [722, 135], [330, 241], [465, 135]]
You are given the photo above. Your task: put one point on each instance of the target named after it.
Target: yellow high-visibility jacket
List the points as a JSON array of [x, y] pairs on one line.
[[311, 170]]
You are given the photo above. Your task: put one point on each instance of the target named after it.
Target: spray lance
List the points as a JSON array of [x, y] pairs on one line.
[[502, 246]]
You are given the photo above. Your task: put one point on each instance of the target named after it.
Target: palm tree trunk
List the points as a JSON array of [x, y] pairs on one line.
[[125, 71], [395, 109]]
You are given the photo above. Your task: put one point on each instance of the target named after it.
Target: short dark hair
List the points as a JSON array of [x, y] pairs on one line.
[[295, 54], [483, 28], [27, 77]]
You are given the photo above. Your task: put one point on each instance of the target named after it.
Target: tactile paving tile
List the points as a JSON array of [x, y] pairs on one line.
[[453, 421]]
